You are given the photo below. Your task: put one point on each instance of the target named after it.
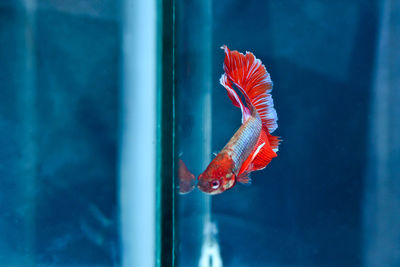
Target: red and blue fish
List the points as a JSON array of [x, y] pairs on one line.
[[252, 147]]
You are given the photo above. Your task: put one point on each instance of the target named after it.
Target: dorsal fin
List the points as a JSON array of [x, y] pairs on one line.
[[250, 76]]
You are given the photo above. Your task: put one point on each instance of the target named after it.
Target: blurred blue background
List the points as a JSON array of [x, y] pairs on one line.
[[58, 121]]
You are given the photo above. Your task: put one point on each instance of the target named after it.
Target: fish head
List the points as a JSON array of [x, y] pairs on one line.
[[218, 177]]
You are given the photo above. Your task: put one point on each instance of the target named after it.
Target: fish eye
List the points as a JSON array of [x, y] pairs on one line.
[[215, 184]]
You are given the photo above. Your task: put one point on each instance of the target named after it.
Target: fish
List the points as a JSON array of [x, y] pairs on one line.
[[252, 147], [187, 180]]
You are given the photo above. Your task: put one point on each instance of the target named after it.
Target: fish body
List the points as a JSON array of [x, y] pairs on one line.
[[252, 146]]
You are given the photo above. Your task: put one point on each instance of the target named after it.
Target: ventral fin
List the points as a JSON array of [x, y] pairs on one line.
[[244, 178]]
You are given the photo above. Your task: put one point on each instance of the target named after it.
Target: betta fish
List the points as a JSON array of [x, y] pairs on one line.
[[252, 147]]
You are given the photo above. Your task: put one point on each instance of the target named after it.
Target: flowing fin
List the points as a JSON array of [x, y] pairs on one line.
[[237, 102], [250, 76]]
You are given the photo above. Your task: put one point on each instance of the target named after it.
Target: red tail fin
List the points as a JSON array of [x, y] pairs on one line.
[[250, 76]]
